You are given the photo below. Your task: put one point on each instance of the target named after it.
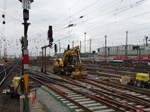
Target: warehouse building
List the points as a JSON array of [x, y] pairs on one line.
[[132, 50]]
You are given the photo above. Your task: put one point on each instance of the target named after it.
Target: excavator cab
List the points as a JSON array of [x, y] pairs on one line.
[[72, 59]]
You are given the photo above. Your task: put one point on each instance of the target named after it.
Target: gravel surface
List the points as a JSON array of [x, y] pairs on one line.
[[8, 104]]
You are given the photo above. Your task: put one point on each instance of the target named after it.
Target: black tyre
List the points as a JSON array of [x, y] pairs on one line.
[[139, 84], [56, 70]]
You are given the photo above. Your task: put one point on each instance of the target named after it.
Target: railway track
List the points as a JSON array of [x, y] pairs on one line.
[[126, 94], [90, 96], [113, 75], [7, 72], [7, 104], [119, 69]]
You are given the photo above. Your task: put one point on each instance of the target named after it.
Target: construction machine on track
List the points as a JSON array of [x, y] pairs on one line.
[[69, 64]]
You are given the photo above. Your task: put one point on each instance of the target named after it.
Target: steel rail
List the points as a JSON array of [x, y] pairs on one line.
[[6, 68], [6, 77], [103, 94], [106, 101], [63, 94], [119, 87], [60, 92], [138, 100], [118, 69]]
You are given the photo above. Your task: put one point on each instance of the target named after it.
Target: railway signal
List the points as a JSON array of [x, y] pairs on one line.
[[55, 48], [50, 35], [24, 41], [50, 38], [3, 16]]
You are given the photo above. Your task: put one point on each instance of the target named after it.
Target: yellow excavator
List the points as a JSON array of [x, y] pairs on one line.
[[5, 59], [69, 64]]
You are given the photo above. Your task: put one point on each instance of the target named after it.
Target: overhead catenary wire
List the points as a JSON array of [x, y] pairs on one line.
[[74, 20], [111, 22], [133, 16], [111, 12], [103, 11], [79, 11], [88, 21]]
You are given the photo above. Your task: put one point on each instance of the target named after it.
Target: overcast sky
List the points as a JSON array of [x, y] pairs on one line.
[[95, 17]]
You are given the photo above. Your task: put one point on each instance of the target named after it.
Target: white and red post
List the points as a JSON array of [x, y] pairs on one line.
[[25, 59]]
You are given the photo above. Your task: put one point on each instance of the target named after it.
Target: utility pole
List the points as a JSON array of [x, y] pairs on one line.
[[90, 45], [45, 60], [4, 48], [85, 42], [80, 45], [36, 51], [140, 53], [59, 47], [0, 48], [117, 50], [73, 44], [126, 46], [105, 48]]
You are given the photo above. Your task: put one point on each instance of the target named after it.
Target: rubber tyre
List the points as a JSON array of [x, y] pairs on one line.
[[56, 70]]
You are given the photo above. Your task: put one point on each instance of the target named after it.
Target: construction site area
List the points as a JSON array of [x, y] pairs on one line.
[[74, 56]]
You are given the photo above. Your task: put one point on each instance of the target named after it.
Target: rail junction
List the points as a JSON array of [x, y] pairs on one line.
[[72, 74], [99, 91]]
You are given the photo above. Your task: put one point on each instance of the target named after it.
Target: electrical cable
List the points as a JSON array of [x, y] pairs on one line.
[[87, 13], [110, 13]]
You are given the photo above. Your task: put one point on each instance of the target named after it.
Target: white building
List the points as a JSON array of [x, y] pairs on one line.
[[133, 50]]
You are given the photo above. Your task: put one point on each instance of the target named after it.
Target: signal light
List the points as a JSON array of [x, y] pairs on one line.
[[50, 34], [55, 48], [3, 16], [26, 14], [4, 22]]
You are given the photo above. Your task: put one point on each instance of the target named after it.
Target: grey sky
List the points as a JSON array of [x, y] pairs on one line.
[[100, 17]]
